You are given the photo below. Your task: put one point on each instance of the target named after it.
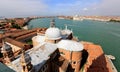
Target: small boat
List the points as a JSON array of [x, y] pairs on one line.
[[111, 57]]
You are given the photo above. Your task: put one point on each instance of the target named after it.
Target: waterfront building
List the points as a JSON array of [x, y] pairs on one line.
[[57, 51], [53, 52], [76, 17]]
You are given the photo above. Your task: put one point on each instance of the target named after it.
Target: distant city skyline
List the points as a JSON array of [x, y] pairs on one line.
[[23, 8]]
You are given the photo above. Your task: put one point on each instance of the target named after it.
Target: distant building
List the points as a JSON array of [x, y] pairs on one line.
[[3, 21], [76, 17]]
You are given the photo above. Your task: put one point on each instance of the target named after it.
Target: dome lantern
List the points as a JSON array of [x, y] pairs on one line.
[[52, 23]]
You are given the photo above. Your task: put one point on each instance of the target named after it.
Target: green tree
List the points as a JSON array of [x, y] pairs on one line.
[[15, 26]]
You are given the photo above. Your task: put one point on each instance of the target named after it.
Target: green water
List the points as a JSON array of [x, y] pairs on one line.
[[106, 34]]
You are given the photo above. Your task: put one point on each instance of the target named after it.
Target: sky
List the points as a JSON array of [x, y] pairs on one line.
[[23, 8]]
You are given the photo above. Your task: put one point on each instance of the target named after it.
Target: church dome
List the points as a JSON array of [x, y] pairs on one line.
[[39, 39], [53, 33], [70, 45]]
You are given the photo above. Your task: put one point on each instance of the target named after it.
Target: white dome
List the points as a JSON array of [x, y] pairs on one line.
[[70, 45], [39, 39], [53, 33]]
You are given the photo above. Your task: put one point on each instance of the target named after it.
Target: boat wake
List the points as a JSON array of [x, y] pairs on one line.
[[72, 25], [115, 34]]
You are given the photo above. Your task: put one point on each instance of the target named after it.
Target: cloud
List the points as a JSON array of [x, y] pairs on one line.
[[105, 7], [68, 8], [110, 7], [80, 7], [53, 7], [85, 9], [21, 7]]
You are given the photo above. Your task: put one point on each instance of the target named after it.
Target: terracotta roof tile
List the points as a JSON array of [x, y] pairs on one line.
[[96, 61]]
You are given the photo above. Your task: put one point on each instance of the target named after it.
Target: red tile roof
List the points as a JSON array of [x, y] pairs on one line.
[[96, 61]]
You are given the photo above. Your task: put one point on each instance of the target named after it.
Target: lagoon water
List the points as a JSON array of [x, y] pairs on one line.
[[106, 34]]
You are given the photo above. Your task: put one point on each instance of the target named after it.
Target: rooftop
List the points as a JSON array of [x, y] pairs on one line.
[[16, 43], [70, 45], [96, 61], [39, 38], [39, 55]]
